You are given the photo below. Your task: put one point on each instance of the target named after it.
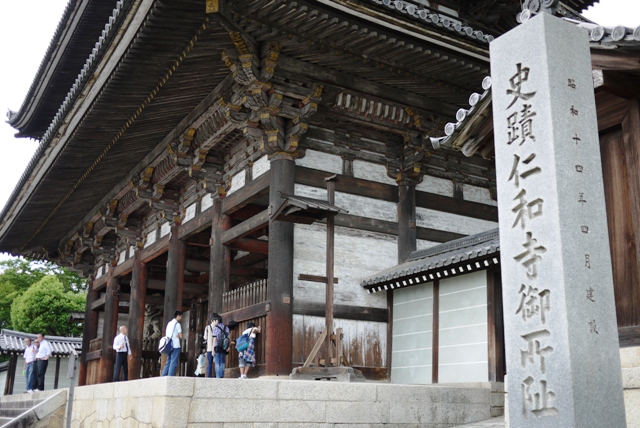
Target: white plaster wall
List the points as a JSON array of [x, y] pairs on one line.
[[358, 254], [260, 166], [462, 348], [437, 185], [372, 172], [478, 194], [452, 222], [422, 244], [412, 334], [237, 182], [322, 161], [206, 203]]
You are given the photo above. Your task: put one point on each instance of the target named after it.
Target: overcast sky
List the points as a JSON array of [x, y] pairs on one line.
[[26, 27]]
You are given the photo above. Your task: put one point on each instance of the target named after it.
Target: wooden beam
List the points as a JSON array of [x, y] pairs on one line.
[[156, 249], [251, 245], [250, 312], [315, 278], [347, 312], [387, 192], [290, 67], [190, 289], [123, 268], [242, 197], [196, 225], [623, 85], [94, 355], [247, 227], [610, 109], [629, 336]]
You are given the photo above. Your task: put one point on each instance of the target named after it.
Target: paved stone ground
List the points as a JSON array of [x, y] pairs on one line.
[[489, 423]]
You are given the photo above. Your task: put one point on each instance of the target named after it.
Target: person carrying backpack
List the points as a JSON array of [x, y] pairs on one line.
[[221, 344], [247, 357]]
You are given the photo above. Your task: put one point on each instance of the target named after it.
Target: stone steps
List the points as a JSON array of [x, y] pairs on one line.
[[23, 410], [12, 412]]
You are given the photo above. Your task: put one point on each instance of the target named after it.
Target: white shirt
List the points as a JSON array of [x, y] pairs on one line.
[[29, 354], [202, 363], [44, 351], [176, 330], [118, 343], [249, 330], [208, 333]]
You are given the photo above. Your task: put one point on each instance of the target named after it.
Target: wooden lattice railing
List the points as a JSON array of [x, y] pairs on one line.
[[250, 294]]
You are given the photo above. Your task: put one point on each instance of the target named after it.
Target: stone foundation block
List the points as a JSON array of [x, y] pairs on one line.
[[351, 412], [326, 391]]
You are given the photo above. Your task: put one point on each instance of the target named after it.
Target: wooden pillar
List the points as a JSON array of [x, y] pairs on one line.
[[89, 332], [406, 220], [11, 374], [193, 351], [175, 276], [109, 329], [495, 327], [136, 314], [56, 379], [631, 150], [331, 196], [279, 331], [219, 260]]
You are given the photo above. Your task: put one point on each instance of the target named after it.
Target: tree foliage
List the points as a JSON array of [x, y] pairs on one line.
[[18, 274], [45, 307]]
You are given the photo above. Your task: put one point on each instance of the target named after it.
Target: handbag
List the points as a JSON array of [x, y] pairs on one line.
[[165, 345], [242, 343]]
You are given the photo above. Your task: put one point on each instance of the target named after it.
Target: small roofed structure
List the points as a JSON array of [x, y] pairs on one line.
[[447, 312], [12, 343]]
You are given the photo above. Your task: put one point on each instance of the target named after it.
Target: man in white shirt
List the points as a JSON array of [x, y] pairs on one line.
[[174, 331], [42, 361], [29, 356], [123, 351]]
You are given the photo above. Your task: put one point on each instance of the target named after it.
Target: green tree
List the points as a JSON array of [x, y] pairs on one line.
[[45, 307], [18, 274]]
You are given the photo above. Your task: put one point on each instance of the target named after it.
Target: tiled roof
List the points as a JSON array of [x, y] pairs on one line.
[[436, 19], [610, 37], [13, 342], [453, 258]]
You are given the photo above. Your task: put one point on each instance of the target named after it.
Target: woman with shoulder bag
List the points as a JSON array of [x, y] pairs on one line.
[[247, 357]]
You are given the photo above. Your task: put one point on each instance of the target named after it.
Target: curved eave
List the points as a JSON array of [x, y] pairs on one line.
[[129, 105], [78, 29]]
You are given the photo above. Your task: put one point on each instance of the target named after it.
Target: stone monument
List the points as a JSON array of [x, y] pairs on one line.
[[561, 333]]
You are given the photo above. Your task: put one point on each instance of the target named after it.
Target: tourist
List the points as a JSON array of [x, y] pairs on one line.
[[174, 331], [123, 352], [247, 358], [42, 360], [201, 362], [220, 346], [34, 374], [29, 356], [208, 337]]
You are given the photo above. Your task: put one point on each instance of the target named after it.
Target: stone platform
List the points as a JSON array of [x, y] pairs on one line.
[[274, 403]]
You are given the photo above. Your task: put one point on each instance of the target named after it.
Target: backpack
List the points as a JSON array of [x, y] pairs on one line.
[[223, 345], [242, 343]]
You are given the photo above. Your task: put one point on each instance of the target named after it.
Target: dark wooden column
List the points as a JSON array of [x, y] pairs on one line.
[[136, 314], [219, 259], [11, 374], [495, 326], [89, 332], [175, 276], [406, 220], [109, 329], [56, 379], [279, 331]]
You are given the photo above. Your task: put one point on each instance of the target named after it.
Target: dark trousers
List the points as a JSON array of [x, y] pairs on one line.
[[41, 370], [33, 382], [209, 368], [121, 362]]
